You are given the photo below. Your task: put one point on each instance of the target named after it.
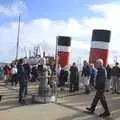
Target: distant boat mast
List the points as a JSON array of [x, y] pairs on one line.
[[18, 38]]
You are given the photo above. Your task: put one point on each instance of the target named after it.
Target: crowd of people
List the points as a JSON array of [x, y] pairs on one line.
[[8, 72], [97, 77], [87, 77], [113, 77], [22, 72]]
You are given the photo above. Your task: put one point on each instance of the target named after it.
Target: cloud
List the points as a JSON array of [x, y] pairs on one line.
[[14, 9], [43, 32], [108, 19]]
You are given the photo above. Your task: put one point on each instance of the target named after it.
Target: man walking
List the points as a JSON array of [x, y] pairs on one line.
[[100, 89]]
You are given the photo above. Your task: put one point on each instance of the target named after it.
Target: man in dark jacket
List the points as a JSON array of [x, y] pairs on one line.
[[21, 77], [100, 88], [73, 78], [27, 71]]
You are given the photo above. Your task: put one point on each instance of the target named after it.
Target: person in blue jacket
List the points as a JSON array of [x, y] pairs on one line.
[[86, 72], [92, 75], [100, 89]]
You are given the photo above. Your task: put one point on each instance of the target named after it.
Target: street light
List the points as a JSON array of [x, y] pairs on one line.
[[18, 37]]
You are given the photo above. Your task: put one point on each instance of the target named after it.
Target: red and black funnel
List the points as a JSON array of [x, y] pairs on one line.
[[63, 50], [99, 45]]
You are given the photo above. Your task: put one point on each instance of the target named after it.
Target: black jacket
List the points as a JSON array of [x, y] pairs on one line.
[[21, 73], [27, 69], [73, 74]]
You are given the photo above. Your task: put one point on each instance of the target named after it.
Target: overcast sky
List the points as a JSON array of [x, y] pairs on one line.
[[43, 20]]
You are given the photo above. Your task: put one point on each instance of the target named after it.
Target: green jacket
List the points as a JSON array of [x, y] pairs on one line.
[[1, 72]]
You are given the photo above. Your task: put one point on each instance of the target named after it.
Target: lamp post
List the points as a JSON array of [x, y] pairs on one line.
[[18, 37]]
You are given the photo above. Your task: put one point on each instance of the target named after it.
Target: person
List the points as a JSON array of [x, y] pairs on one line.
[[58, 69], [21, 77], [27, 70], [73, 78], [14, 74], [7, 74], [62, 78], [100, 89], [115, 78], [92, 75], [1, 73], [66, 73], [108, 81], [86, 72], [34, 73]]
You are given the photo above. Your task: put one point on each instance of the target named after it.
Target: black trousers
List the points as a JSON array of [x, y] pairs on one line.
[[100, 96], [74, 86], [14, 80], [91, 82], [23, 89]]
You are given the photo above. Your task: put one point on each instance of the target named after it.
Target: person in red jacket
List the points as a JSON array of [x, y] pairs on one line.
[[7, 73]]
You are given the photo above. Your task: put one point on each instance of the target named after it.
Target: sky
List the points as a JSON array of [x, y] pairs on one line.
[[43, 20]]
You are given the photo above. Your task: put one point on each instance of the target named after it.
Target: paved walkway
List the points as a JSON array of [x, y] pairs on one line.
[[66, 108]]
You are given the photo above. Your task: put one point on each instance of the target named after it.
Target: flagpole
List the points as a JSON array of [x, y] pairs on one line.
[[56, 54], [18, 37]]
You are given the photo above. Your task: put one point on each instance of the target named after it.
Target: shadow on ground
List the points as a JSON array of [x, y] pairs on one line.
[[86, 116], [6, 105], [81, 114]]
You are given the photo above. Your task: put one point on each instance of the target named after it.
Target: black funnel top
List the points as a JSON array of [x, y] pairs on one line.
[[64, 41], [101, 35]]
